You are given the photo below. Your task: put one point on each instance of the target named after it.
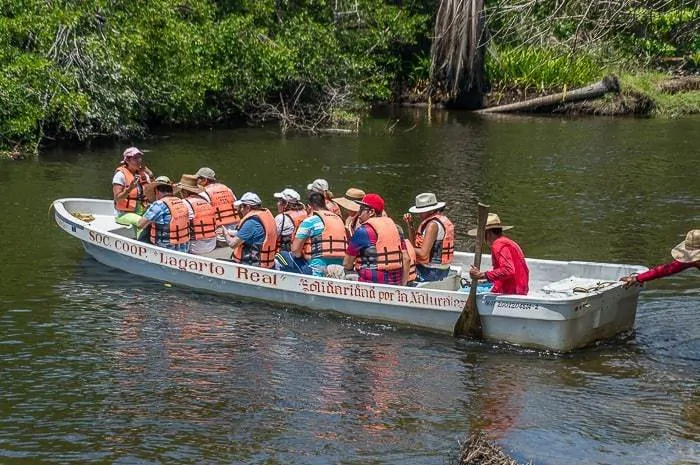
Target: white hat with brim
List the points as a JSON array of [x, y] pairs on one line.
[[426, 202], [319, 185], [288, 195], [688, 251], [493, 222], [249, 198]]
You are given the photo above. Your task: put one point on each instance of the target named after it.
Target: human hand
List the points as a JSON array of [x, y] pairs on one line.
[[408, 218], [629, 280], [474, 273]]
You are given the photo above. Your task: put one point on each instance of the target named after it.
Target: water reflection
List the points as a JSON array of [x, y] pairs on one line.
[[96, 360]]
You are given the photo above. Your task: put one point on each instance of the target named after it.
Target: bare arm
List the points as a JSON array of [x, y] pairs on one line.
[[348, 262], [423, 253], [298, 247]]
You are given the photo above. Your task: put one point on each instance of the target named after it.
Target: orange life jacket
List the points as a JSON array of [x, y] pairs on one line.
[[331, 243], [178, 230], [222, 198], [129, 203], [412, 275], [295, 217], [385, 254], [203, 225], [262, 255], [442, 251]]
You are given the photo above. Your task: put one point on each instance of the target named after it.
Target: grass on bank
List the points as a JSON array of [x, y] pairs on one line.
[[542, 70], [665, 104]]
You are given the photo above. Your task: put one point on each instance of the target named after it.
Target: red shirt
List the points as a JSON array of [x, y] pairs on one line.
[[666, 269], [510, 274]]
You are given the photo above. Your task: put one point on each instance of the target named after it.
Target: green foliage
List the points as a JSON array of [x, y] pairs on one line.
[[540, 68], [100, 67]]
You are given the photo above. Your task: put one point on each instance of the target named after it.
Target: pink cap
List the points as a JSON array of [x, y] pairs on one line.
[[131, 152]]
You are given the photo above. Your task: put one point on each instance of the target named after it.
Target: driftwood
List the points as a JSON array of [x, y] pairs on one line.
[[476, 450], [594, 91]]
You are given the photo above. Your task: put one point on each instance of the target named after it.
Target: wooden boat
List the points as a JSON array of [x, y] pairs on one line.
[[570, 304]]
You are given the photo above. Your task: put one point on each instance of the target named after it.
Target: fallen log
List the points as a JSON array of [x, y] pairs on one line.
[[594, 91]]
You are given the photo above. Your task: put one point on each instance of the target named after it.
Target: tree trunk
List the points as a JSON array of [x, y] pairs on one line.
[[594, 91]]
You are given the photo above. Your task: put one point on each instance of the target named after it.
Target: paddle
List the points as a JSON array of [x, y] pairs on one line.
[[469, 323]]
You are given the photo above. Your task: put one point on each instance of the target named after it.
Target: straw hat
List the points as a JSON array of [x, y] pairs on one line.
[[426, 202], [493, 222], [688, 251], [150, 190], [348, 201], [188, 182]]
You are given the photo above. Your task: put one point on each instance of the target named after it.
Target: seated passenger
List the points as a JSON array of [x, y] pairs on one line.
[[349, 203], [167, 217], [321, 186], [291, 213], [255, 241], [510, 274], [128, 183], [221, 198], [320, 241], [377, 250], [202, 216], [434, 240]]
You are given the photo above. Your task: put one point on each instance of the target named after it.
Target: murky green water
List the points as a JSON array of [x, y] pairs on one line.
[[99, 367]]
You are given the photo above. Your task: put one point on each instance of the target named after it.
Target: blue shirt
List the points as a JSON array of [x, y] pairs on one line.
[[311, 227], [252, 232], [364, 237]]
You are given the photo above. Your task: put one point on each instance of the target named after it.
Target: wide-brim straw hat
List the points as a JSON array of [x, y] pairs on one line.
[[493, 222], [426, 202], [350, 199], [688, 251], [150, 190], [188, 182]]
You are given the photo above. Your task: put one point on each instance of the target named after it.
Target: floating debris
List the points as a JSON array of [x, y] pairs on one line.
[[478, 451]]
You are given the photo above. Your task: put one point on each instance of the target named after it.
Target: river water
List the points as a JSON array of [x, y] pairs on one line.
[[103, 367]]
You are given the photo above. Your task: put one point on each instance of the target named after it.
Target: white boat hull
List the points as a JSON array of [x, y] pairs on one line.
[[550, 317]]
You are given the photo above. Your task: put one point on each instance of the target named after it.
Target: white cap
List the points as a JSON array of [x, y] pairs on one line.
[[319, 185], [288, 195], [249, 198]]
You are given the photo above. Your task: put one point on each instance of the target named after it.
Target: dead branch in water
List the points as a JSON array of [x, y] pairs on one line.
[[311, 111], [478, 451]]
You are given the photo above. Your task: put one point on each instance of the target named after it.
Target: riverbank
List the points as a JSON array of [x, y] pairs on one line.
[[664, 95]]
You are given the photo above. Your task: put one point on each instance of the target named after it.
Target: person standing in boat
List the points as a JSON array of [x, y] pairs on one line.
[[201, 213], [167, 218], [319, 241], [685, 255], [321, 186], [291, 212], [510, 274], [434, 240], [377, 250], [349, 203], [255, 241], [128, 183], [222, 198]]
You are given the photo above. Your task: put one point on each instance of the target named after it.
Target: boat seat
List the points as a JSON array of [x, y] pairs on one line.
[[451, 283], [219, 253], [575, 285]]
